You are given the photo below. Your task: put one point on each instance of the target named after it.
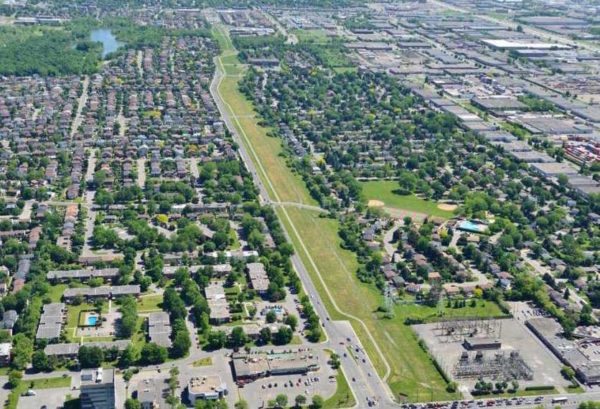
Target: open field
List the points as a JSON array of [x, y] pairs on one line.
[[316, 36], [383, 190]]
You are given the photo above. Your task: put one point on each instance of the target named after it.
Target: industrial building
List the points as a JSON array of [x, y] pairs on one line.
[[581, 355]]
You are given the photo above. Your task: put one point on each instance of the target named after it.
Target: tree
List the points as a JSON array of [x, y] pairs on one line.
[[211, 404], [90, 357], [22, 351], [292, 321], [131, 403], [283, 336], [216, 339], [317, 402], [40, 362], [14, 378], [300, 400], [238, 337], [451, 387], [568, 372], [154, 354], [271, 317], [181, 344], [265, 335], [281, 400], [129, 316], [562, 179], [129, 356]]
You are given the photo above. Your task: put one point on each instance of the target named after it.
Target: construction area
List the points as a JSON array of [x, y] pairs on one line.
[[469, 350]]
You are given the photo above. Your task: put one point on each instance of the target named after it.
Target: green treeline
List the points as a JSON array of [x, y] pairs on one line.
[[45, 51], [66, 50]]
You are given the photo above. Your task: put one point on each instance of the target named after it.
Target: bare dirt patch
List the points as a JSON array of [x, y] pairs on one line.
[[447, 207], [376, 203]]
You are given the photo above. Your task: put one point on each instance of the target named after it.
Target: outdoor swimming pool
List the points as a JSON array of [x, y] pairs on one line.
[[472, 226], [92, 320]]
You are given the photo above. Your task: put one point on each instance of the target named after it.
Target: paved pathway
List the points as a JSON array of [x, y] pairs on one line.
[[80, 104], [141, 172]]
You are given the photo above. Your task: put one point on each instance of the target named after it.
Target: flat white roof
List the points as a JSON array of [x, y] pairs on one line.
[[524, 45]]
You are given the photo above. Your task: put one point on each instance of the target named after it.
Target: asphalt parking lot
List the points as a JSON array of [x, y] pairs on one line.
[[51, 398], [259, 392]]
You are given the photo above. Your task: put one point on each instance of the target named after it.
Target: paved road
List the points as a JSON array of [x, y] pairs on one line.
[[300, 206], [25, 215], [80, 104], [89, 172], [141, 172]]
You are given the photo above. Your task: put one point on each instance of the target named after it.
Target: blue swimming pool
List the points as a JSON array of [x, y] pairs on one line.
[[92, 320], [471, 226]]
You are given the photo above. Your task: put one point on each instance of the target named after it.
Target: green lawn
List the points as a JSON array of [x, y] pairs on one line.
[[149, 303], [384, 190], [139, 338], [47, 383], [343, 396], [56, 292], [235, 242], [203, 362], [575, 389], [316, 36]]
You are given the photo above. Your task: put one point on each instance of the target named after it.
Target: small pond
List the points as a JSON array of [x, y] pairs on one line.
[[108, 40]]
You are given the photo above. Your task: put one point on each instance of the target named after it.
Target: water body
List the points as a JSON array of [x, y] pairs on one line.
[[108, 40]]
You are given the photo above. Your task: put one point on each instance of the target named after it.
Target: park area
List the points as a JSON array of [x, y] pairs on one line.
[[383, 193]]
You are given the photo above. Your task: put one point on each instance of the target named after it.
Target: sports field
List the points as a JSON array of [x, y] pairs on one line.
[[385, 191]]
